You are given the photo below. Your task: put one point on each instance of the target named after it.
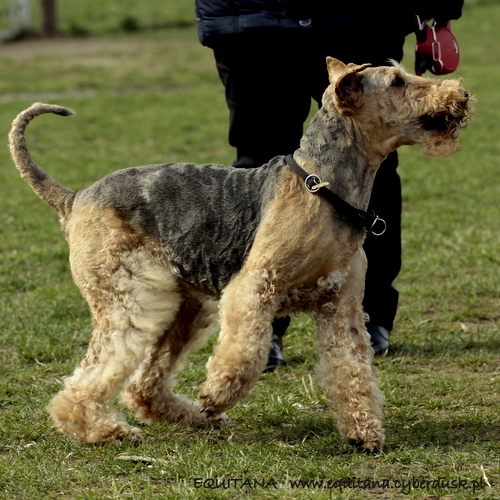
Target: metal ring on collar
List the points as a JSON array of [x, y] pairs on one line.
[[317, 180], [378, 219]]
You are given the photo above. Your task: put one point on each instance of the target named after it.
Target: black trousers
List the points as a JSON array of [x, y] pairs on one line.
[[269, 79]]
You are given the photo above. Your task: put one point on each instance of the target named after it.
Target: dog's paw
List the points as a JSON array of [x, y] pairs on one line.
[[365, 446], [129, 433], [118, 433], [200, 419], [209, 408], [371, 441], [220, 420]]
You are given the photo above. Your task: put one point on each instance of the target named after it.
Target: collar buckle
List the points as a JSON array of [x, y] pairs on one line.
[[317, 183]]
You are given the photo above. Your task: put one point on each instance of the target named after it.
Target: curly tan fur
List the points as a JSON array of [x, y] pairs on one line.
[[152, 258]]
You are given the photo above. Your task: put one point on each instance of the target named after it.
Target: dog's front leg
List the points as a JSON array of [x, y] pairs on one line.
[[345, 367], [247, 308]]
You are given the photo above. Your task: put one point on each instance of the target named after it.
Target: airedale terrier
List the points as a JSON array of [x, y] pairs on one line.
[[154, 248]]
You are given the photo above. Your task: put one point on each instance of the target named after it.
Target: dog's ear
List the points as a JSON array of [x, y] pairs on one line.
[[346, 79], [335, 69]]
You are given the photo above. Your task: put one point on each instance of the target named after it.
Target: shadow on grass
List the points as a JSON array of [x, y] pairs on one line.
[[452, 348], [454, 432], [320, 436]]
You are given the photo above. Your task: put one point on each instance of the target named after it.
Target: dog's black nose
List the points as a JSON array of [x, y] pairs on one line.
[[466, 97]]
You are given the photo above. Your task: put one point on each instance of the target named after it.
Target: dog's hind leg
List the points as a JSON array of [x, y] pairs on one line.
[[149, 392], [133, 298], [345, 368], [247, 308], [121, 337]]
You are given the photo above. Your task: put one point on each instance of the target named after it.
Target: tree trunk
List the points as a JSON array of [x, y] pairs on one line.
[[49, 17]]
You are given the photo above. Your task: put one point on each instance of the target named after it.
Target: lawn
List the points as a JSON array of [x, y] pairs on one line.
[[153, 96]]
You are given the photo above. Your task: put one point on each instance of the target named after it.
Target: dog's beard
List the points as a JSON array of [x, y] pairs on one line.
[[448, 122], [442, 144], [443, 128]]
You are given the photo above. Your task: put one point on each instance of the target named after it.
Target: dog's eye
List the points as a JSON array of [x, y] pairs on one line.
[[397, 82]]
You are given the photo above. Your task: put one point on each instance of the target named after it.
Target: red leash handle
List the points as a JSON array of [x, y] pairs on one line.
[[437, 48]]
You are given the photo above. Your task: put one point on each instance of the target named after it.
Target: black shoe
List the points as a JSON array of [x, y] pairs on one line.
[[276, 357], [380, 338]]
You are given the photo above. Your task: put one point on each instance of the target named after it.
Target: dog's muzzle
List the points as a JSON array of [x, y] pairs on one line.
[[451, 119]]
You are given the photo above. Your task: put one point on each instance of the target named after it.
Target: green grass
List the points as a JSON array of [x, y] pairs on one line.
[[91, 17], [155, 96]]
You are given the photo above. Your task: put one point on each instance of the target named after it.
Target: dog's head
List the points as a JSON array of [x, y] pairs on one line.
[[395, 108]]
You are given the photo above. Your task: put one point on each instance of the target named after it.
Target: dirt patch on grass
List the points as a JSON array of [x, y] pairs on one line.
[[72, 47], [155, 61]]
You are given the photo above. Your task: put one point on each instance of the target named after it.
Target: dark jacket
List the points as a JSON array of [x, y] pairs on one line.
[[219, 18]]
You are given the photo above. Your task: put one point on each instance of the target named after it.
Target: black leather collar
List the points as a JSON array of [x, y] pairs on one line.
[[357, 217]]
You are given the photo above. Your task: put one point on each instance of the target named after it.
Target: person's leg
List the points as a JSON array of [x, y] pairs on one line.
[[268, 105], [384, 255], [383, 252]]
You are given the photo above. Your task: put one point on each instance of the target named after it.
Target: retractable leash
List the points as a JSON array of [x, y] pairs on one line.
[[436, 49]]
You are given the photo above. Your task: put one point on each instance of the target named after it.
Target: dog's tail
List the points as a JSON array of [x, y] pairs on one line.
[[57, 196]]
